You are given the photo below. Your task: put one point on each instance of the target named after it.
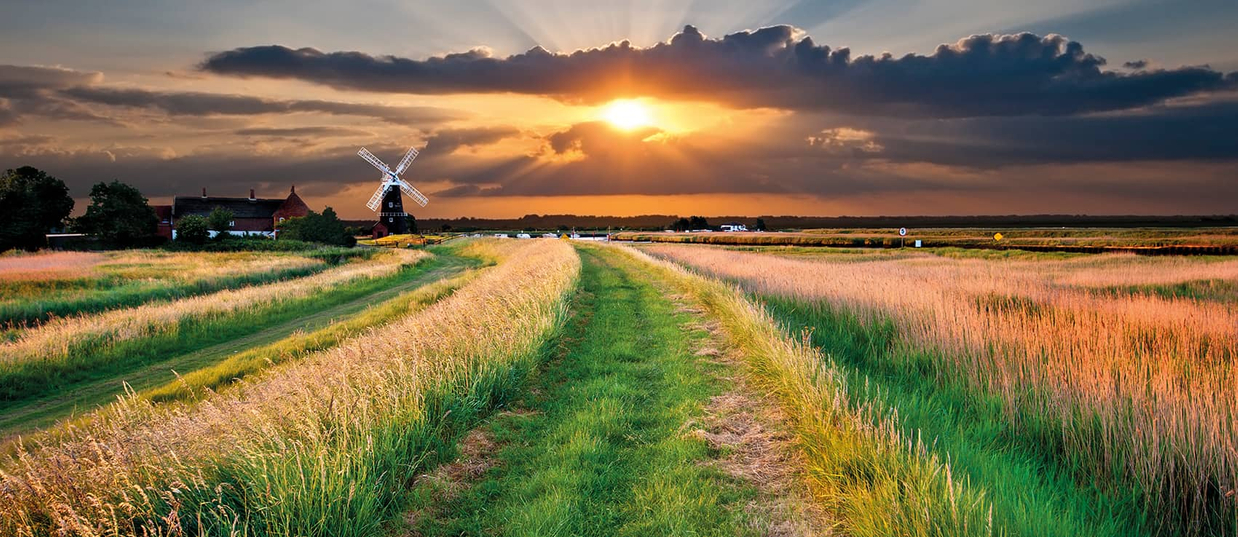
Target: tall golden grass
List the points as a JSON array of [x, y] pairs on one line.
[[47, 264], [1139, 384], [874, 479], [317, 447], [58, 339], [144, 264]]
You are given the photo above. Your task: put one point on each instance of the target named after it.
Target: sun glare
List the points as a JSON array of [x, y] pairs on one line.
[[627, 114]]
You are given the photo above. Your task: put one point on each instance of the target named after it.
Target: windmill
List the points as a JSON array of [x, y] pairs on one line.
[[386, 200]]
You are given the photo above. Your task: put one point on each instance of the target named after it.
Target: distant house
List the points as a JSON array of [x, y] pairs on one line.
[[164, 213], [250, 216], [734, 226]]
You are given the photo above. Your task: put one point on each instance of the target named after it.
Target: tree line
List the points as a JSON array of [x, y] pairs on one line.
[[34, 203]]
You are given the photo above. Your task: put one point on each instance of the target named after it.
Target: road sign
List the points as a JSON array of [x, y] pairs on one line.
[[917, 243], [902, 232], [997, 236]]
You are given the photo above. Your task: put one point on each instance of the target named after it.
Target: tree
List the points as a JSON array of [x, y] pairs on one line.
[[31, 204], [118, 214], [760, 225], [220, 221], [698, 222], [314, 227], [192, 229]]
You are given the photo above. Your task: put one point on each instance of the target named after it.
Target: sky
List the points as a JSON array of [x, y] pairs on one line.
[[722, 107]]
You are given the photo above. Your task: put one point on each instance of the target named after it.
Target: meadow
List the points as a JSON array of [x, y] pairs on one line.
[[41, 286], [1095, 392], [1093, 240], [555, 387]]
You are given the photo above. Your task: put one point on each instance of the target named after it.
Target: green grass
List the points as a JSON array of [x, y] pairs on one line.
[[93, 361], [378, 310], [1211, 290], [85, 296], [603, 450], [1034, 486], [215, 366]]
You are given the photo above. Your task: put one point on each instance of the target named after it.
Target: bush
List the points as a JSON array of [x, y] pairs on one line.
[[119, 215], [192, 229], [325, 228], [220, 221]]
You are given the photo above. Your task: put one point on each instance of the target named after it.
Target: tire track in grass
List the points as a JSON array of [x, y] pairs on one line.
[[33, 414], [603, 443]]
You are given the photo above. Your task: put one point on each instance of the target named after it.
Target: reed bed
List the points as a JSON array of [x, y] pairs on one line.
[[1138, 390], [47, 265], [37, 287], [67, 342], [319, 447], [874, 479]]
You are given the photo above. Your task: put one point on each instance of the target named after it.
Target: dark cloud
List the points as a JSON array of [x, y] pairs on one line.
[[301, 131], [57, 93], [1205, 132], [25, 81], [982, 75], [447, 141], [207, 104], [1137, 64]]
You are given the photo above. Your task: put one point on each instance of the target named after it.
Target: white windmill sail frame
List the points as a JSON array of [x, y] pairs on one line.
[[391, 178]]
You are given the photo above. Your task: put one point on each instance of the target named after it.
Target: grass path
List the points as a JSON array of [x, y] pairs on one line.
[[32, 414], [600, 445]]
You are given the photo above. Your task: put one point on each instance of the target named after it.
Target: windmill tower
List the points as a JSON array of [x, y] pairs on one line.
[[386, 200]]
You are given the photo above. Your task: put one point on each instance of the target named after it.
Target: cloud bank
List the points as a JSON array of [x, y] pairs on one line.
[[776, 67]]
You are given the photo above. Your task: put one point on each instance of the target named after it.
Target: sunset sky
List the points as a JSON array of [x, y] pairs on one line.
[[847, 107]]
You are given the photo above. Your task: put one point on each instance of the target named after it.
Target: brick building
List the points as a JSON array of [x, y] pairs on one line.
[[250, 216]]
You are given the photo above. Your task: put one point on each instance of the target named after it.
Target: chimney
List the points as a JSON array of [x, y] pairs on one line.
[[294, 189], [203, 192], [251, 195]]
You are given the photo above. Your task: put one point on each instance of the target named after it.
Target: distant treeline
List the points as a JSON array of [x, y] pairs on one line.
[[659, 222]]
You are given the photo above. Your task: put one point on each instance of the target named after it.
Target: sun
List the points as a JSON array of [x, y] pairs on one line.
[[627, 114]]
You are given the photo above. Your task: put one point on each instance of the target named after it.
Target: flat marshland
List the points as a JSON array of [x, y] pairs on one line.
[[1095, 392], [552, 387], [41, 286]]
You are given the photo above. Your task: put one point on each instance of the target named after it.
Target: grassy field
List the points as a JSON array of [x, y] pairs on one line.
[[62, 352], [1080, 239], [190, 367], [549, 387], [596, 448], [38, 287], [1109, 413]]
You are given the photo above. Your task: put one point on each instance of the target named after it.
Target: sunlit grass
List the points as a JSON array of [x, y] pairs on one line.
[[322, 446], [71, 346], [1127, 393]]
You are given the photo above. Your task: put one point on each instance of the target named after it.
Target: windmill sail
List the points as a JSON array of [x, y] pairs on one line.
[[373, 160], [377, 198], [408, 159], [413, 193]]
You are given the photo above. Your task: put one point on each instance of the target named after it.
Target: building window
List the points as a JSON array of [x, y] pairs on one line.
[[390, 204], [281, 219], [390, 219]]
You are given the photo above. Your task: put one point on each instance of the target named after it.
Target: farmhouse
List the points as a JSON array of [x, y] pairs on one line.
[[250, 216], [734, 226]]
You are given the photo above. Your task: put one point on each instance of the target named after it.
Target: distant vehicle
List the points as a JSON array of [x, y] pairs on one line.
[[500, 235], [523, 236], [735, 226], [549, 236], [477, 235]]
